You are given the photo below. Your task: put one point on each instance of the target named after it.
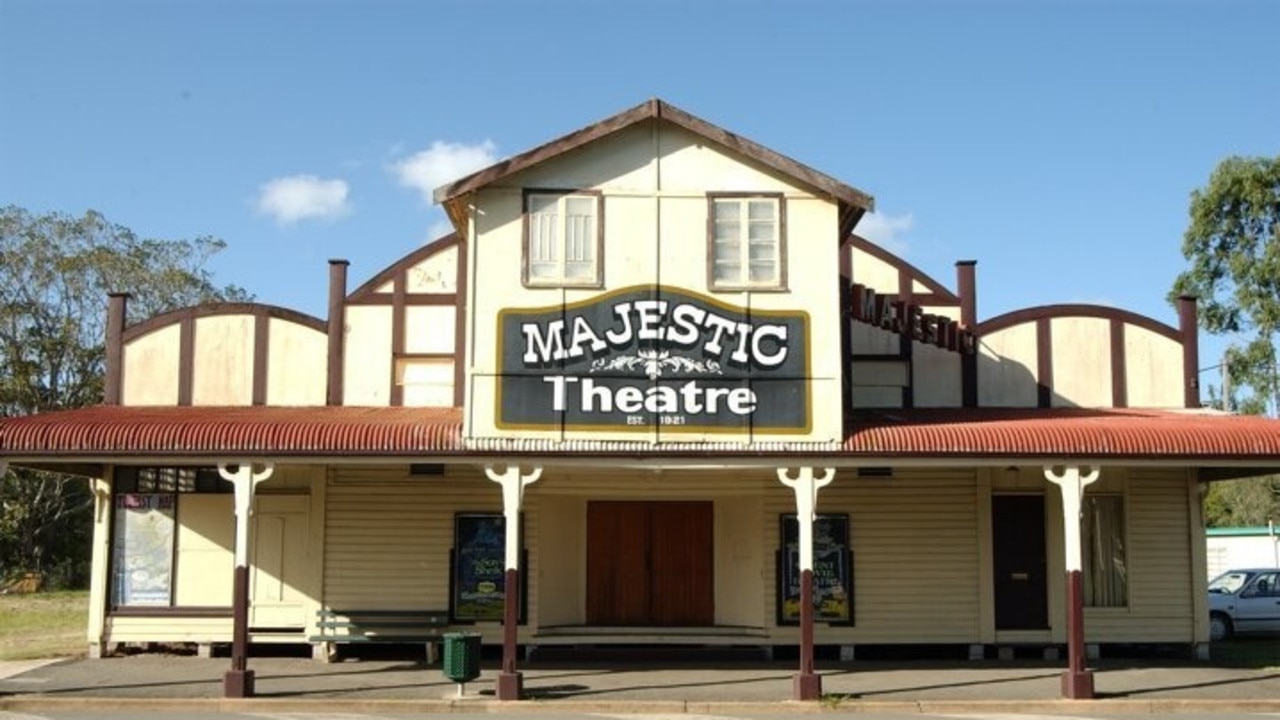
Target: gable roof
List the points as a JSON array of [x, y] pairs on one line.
[[852, 201]]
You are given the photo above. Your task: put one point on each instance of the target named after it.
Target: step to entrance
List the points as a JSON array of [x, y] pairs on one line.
[[666, 654]]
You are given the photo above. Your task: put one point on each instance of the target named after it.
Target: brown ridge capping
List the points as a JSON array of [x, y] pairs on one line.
[[938, 293], [186, 358], [966, 287], [1119, 365], [396, 394], [1044, 362], [117, 308], [261, 355], [336, 329], [460, 326], [164, 320], [1190, 350], [450, 196]]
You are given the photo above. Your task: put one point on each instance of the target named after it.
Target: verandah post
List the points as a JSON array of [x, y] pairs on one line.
[[513, 483], [806, 685], [238, 682], [1077, 681]]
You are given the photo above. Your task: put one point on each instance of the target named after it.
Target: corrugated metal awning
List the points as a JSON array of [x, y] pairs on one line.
[[103, 433]]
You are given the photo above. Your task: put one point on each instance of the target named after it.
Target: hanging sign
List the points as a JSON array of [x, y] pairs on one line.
[[650, 356]]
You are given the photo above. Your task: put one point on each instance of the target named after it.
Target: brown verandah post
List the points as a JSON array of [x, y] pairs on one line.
[[807, 684], [513, 482], [238, 681], [1077, 681]]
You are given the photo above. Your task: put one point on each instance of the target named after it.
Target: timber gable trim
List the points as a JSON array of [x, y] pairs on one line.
[[853, 202], [368, 294], [938, 294], [196, 312], [1052, 312]]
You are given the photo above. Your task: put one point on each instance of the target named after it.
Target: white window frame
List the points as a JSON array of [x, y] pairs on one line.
[[548, 234], [743, 281]]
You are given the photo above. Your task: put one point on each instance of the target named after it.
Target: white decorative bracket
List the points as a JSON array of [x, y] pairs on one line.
[[806, 486], [245, 481], [513, 483], [1072, 484]]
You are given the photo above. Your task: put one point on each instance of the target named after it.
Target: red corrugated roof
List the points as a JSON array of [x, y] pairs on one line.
[[1059, 433], [118, 430], [1065, 433]]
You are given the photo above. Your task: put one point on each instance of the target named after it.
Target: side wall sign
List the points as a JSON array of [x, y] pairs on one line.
[[647, 356]]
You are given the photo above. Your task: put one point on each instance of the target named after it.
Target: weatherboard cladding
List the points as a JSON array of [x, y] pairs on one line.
[[399, 431]]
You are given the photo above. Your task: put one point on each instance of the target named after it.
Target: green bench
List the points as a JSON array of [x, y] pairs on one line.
[[403, 627]]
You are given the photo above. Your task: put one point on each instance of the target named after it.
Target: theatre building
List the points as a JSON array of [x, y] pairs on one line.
[[654, 388]]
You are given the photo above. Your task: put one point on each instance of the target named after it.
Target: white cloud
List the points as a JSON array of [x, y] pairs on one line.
[[887, 231], [303, 197], [443, 162]]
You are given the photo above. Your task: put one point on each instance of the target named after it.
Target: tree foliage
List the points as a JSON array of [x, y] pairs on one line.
[[56, 272], [1250, 502], [1233, 245]]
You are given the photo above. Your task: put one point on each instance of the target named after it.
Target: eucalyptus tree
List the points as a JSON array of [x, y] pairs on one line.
[[1233, 246], [56, 272]]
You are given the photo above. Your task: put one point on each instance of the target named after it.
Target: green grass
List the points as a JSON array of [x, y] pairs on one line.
[[43, 625]]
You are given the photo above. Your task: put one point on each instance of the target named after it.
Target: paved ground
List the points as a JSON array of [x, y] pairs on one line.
[[164, 681]]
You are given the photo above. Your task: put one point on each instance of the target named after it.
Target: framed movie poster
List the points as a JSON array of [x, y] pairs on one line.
[[478, 576], [832, 571], [143, 549]]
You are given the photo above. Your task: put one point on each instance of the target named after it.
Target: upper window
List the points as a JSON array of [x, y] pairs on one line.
[[562, 238], [747, 243]]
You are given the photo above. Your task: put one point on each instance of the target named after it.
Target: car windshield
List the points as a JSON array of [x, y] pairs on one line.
[[1229, 582]]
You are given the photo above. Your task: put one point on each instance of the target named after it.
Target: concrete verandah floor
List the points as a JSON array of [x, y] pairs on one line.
[[599, 679]]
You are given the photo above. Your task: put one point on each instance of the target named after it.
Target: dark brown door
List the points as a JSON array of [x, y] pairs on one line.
[[1021, 582], [649, 563]]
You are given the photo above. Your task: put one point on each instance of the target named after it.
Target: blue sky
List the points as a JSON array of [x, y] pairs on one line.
[[1054, 142]]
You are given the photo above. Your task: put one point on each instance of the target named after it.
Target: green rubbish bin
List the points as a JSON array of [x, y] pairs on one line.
[[461, 656]]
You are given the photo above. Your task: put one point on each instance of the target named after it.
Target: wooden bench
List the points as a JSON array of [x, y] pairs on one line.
[[335, 626]]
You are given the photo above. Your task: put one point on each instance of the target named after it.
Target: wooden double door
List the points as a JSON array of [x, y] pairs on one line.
[[649, 563]]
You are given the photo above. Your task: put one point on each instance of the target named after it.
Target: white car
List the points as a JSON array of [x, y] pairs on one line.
[[1244, 601]]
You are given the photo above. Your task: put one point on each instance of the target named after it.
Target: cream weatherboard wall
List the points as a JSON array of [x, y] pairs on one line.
[[388, 536], [1153, 373], [914, 539], [653, 179], [222, 362], [1082, 348], [286, 535], [151, 368], [415, 308], [222, 373], [292, 374]]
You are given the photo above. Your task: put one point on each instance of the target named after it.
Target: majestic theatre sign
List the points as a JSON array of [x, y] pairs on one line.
[[653, 356]]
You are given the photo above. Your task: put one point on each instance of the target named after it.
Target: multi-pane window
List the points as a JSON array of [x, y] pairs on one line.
[[1106, 567], [144, 529], [562, 239], [747, 242]]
